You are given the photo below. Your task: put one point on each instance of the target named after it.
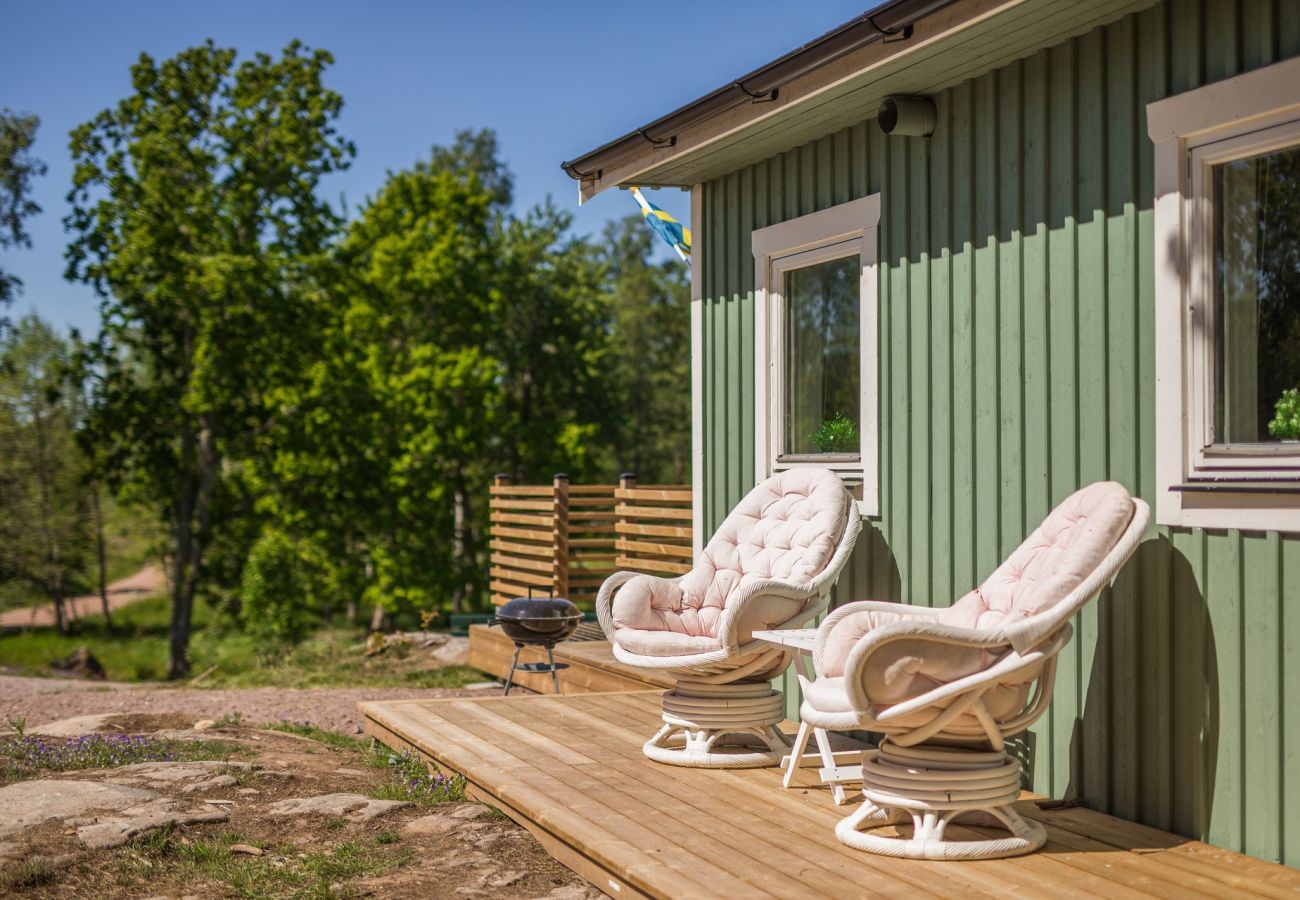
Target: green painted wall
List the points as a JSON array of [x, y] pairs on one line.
[[1016, 364]]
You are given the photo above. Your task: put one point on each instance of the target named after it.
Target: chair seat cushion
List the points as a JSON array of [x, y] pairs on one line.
[[827, 695], [664, 643]]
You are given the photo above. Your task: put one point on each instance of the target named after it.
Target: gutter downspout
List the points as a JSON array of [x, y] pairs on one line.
[[890, 19]]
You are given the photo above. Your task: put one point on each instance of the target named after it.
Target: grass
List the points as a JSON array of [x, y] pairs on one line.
[[24, 874], [411, 779], [284, 871], [332, 738], [413, 782], [137, 651], [28, 756]]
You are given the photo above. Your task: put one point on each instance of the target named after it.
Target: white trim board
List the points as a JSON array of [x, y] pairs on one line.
[[1180, 127], [857, 222]]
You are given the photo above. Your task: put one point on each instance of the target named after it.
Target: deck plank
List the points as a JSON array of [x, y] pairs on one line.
[[570, 769]]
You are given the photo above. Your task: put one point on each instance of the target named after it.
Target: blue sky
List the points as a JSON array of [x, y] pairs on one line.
[[554, 80]]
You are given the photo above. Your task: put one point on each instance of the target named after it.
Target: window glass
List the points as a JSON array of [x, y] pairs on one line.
[[822, 372], [1257, 298]]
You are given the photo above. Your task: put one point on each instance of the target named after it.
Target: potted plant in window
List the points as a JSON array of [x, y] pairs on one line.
[[1286, 423], [838, 434]]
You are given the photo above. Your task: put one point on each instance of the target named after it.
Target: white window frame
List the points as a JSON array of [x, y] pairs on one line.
[[834, 233], [1200, 483]]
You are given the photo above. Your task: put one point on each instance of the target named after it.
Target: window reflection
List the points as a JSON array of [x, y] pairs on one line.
[[1257, 297], [822, 373]]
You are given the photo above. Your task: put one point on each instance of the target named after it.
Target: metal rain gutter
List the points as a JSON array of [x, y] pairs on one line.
[[892, 19]]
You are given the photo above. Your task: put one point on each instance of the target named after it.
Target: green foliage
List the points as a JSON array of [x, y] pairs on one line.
[[1286, 422], [137, 650], [283, 872], [46, 531], [30, 756], [649, 363], [329, 738], [836, 435], [17, 169], [413, 782], [275, 589], [195, 216]]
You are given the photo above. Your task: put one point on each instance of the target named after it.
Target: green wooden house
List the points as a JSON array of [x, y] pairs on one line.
[[976, 254]]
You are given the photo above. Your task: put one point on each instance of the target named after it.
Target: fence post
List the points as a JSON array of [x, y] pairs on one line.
[[500, 479], [560, 535]]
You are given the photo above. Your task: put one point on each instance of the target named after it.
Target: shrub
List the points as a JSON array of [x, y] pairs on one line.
[[275, 589], [836, 435], [1286, 421]]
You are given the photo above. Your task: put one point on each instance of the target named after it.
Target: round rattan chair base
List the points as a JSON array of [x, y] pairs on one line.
[[934, 786], [720, 726]]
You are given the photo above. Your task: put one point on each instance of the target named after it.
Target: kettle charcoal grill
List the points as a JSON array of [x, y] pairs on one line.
[[537, 621]]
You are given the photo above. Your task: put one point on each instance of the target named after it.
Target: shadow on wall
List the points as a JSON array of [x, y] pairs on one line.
[[1146, 745]]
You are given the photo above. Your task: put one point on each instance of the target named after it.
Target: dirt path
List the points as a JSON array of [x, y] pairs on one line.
[[43, 700], [145, 583]]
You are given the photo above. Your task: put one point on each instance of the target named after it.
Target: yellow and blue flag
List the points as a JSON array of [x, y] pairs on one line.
[[675, 233]]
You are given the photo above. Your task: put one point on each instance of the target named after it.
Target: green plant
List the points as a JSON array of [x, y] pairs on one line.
[[1286, 421], [838, 434]]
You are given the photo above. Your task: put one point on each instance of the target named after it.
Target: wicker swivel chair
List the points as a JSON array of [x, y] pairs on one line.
[[948, 686], [771, 564]]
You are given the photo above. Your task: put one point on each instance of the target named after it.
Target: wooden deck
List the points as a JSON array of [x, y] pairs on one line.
[[592, 667], [570, 770]]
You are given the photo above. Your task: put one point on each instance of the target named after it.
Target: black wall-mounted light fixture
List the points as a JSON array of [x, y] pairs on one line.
[[907, 116]]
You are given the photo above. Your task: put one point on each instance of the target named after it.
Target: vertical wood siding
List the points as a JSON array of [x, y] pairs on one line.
[[1016, 364]]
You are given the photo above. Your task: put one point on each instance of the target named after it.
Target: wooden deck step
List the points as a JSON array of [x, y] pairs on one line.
[[592, 667], [571, 771]]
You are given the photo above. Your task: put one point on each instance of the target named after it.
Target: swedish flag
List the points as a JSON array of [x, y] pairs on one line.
[[675, 233]]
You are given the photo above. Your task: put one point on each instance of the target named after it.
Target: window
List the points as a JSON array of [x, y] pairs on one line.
[[1227, 242], [815, 343]]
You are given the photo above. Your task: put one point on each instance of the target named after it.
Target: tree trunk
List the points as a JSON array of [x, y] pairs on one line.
[[183, 524], [102, 555], [462, 541], [377, 617], [53, 580], [352, 612], [193, 521]]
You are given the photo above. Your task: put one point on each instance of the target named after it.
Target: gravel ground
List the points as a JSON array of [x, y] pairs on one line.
[[42, 700], [146, 583]]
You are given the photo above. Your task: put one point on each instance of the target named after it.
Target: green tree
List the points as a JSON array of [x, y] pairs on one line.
[[460, 341], [196, 217], [651, 358], [17, 169], [46, 530]]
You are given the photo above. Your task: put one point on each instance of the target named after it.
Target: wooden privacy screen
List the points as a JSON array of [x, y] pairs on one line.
[[564, 539]]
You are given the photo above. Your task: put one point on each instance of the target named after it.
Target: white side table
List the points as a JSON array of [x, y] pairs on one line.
[[837, 767]]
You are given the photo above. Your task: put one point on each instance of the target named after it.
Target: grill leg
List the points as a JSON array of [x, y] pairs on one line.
[[510, 678], [555, 678]]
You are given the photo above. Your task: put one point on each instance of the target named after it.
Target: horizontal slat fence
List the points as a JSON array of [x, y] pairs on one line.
[[565, 539], [653, 527]]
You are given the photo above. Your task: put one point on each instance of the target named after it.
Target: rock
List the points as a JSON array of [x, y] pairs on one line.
[[349, 772], [81, 663], [219, 781], [172, 772], [438, 823], [453, 652], [354, 806], [248, 792], [505, 879], [572, 892], [74, 727], [8, 850], [138, 820], [205, 724], [469, 811], [28, 803], [246, 849]]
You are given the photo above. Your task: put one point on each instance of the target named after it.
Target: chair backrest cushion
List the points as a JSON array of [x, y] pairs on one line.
[[787, 528], [1064, 550]]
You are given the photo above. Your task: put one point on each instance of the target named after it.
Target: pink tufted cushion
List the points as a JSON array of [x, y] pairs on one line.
[[786, 528], [1054, 560], [1069, 545]]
